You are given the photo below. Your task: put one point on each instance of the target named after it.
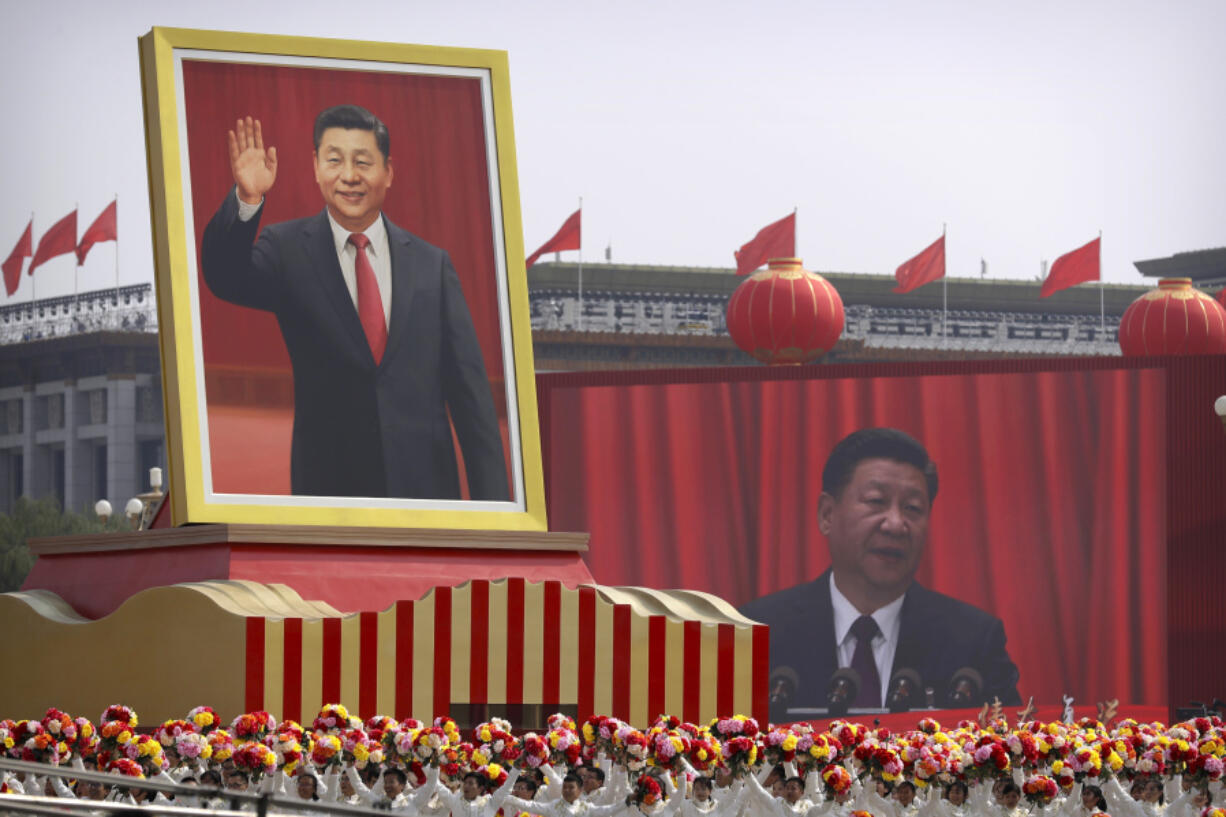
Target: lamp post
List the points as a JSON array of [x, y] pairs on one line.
[[143, 507]]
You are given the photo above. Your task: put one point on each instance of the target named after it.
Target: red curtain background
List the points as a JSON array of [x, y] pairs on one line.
[[440, 192], [1050, 512]]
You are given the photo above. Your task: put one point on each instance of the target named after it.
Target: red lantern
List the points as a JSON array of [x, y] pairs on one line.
[[785, 314], [1174, 319]]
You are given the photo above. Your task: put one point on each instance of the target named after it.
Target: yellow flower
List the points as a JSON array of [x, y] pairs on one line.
[[1057, 767], [493, 770], [124, 737], [789, 743], [479, 758]]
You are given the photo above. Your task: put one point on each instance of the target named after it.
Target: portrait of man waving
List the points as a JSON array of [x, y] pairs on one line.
[[384, 354]]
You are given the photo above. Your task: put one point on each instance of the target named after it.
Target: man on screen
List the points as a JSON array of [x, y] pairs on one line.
[[380, 338], [867, 612]]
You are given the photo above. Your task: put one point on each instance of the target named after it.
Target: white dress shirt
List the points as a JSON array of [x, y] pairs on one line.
[[885, 643], [378, 251]]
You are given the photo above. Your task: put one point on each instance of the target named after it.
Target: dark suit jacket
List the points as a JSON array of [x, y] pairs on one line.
[[937, 636], [362, 429]]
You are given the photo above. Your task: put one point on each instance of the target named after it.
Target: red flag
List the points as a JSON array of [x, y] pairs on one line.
[[776, 240], [1071, 269], [104, 228], [924, 268], [60, 239], [566, 238], [12, 264]]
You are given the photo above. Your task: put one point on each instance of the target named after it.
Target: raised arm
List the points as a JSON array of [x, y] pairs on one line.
[[553, 781], [422, 794], [254, 168], [502, 793]]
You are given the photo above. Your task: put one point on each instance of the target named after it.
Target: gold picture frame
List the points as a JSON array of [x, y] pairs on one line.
[[192, 76]]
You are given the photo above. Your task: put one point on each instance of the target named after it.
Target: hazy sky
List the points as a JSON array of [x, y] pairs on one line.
[[687, 126]]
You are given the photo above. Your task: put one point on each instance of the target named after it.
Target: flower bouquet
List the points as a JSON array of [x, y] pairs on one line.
[[1040, 790], [498, 745], [455, 758], [119, 712], [815, 751], [448, 726], [494, 773], [256, 758], [565, 747], [326, 751], [779, 746], [60, 726], [170, 731], [222, 744], [288, 750], [193, 746], [377, 726], [704, 753], [428, 744], [848, 735], [291, 727], [739, 755], [631, 748], [44, 748], [534, 751], [114, 737], [125, 768], [253, 726], [836, 779], [204, 719], [989, 760], [668, 749], [736, 726], [646, 792], [560, 721], [879, 762], [147, 751], [598, 735], [86, 741], [1084, 762], [331, 718]]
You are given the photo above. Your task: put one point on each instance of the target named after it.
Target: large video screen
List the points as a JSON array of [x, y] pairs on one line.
[[1043, 549]]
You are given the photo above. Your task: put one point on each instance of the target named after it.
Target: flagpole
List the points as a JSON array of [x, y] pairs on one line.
[[33, 280], [1102, 287], [32, 248], [116, 245], [76, 269], [944, 298], [579, 324]]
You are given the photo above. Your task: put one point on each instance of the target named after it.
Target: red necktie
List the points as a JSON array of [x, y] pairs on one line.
[[370, 305]]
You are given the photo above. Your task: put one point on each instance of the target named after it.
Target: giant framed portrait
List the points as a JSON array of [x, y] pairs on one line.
[[294, 396]]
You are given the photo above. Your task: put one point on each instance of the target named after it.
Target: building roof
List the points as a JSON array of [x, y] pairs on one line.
[[1202, 266], [855, 288]]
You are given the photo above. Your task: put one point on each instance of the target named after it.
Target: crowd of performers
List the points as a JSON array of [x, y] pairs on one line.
[[605, 767]]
